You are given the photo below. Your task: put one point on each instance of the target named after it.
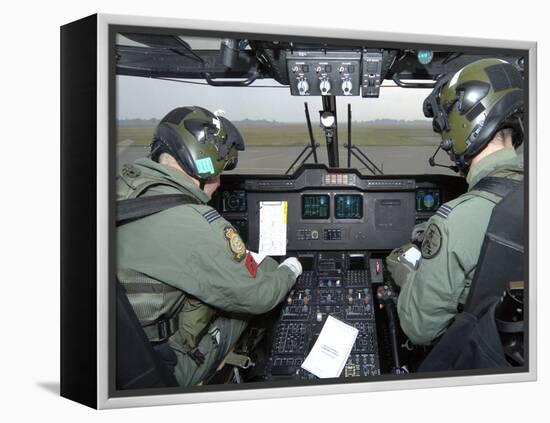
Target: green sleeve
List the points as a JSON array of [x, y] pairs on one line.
[[222, 278], [429, 299], [400, 269], [182, 248]]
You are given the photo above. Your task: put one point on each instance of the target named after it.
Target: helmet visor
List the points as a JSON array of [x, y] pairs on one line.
[[232, 139], [433, 108]]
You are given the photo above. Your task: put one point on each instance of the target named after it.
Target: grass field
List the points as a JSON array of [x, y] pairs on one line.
[[296, 134]]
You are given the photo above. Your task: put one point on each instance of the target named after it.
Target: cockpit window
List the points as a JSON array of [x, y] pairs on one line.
[[390, 130]]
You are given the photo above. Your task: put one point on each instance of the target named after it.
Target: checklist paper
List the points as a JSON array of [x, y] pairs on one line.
[[273, 228], [328, 356]]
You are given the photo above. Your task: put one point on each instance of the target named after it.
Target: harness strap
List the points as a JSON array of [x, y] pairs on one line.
[[135, 208], [161, 329], [495, 185], [491, 188], [510, 327], [148, 288]]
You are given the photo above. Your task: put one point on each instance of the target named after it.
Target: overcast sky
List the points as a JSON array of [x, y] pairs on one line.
[[146, 98]]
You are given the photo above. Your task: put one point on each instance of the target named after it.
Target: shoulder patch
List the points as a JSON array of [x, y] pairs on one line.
[[130, 171], [444, 211], [211, 215], [432, 241], [235, 243]]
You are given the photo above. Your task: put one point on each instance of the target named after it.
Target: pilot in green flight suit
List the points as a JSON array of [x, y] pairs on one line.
[[478, 113], [186, 271]]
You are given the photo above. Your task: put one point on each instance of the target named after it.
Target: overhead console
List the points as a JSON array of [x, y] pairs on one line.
[[334, 72], [309, 68], [337, 209]]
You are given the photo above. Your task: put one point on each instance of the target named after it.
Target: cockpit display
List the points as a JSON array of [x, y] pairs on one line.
[[427, 200], [348, 206], [315, 206], [234, 201]]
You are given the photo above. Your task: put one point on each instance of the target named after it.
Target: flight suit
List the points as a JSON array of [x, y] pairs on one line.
[[190, 259], [433, 290]]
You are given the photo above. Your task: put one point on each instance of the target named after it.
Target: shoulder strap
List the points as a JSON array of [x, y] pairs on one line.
[[501, 255], [136, 208], [491, 188], [497, 186]]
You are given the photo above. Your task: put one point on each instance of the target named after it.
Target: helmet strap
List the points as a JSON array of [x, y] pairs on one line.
[[520, 122], [155, 149]]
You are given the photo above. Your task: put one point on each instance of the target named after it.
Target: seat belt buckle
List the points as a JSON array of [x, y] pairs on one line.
[[239, 360], [163, 327]]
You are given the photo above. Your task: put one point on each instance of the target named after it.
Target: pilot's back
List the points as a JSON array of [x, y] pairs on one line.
[[438, 288]]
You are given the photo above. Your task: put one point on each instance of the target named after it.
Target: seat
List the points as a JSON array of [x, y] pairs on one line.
[[489, 333], [501, 259], [137, 364]]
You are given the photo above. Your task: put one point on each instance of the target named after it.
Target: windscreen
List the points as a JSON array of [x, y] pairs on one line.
[[390, 130]]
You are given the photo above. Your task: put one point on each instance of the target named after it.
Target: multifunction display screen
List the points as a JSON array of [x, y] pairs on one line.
[[348, 206], [427, 200], [234, 201], [315, 206]]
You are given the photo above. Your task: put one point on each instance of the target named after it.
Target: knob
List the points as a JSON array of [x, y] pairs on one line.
[[295, 68], [303, 86], [318, 69], [346, 86], [324, 86], [315, 234]]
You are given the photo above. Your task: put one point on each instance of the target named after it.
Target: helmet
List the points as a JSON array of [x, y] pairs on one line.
[[202, 143], [469, 107]]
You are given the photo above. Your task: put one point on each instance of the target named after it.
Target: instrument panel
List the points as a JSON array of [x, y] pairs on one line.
[[340, 224], [337, 209], [336, 284]]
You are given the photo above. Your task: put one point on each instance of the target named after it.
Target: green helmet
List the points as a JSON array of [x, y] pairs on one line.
[[202, 143], [469, 107]]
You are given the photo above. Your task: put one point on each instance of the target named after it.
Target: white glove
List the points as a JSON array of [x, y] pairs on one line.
[[293, 264]]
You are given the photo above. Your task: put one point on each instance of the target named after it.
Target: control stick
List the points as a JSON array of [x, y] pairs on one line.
[[386, 296]]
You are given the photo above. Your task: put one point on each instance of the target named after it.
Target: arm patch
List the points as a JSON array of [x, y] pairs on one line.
[[432, 241], [235, 244]]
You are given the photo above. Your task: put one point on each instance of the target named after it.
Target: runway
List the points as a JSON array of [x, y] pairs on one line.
[[391, 160]]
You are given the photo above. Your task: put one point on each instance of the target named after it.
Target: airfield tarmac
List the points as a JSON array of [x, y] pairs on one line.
[[393, 160]]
